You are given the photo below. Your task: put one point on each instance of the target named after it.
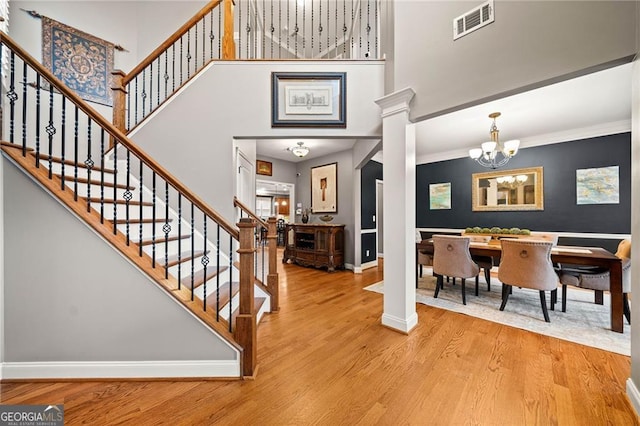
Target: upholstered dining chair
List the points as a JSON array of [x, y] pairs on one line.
[[527, 264], [451, 258], [597, 279], [425, 257], [484, 262]]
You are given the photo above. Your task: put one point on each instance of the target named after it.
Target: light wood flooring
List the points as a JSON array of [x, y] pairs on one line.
[[324, 359]]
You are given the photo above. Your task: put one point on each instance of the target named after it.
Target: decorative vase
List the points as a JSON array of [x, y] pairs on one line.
[[305, 217]]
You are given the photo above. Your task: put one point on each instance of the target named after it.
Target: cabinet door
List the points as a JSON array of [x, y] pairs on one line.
[[322, 240]]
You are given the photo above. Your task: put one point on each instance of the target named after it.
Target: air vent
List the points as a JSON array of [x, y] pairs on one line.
[[473, 20]]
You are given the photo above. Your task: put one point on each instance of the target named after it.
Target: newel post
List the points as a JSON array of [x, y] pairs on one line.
[[273, 284], [119, 102], [228, 43], [245, 329]]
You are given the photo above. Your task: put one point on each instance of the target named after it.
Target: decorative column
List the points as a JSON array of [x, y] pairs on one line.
[[399, 203]]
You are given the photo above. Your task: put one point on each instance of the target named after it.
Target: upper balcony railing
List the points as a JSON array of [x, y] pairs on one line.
[[264, 30]]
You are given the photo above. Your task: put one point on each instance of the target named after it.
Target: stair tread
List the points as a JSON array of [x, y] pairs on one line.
[[184, 257], [224, 296], [68, 178], [134, 220], [118, 201], [160, 239], [54, 159], [199, 279], [257, 304]]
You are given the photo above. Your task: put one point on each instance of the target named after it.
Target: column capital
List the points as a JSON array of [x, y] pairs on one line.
[[396, 102]]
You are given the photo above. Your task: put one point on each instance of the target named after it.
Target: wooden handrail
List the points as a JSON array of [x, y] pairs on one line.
[[169, 41], [121, 137], [244, 208]]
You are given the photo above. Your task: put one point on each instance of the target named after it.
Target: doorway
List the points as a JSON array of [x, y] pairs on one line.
[[275, 199]]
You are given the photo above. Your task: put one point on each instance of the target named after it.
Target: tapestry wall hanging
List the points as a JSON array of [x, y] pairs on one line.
[[81, 61]]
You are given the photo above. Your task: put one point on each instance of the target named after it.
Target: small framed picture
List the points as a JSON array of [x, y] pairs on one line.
[[264, 168], [308, 99], [324, 188]]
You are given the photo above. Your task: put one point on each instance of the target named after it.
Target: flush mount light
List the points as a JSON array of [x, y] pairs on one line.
[[299, 150]]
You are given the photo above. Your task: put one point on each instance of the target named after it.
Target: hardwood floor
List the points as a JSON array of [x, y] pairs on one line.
[[325, 359]]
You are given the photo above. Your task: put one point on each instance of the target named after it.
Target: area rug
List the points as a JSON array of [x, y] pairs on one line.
[[584, 322]]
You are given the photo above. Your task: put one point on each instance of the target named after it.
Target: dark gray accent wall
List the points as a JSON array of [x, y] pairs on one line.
[[561, 213], [368, 176]]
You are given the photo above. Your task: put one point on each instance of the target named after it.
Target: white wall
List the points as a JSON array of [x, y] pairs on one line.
[[101, 310], [529, 42]]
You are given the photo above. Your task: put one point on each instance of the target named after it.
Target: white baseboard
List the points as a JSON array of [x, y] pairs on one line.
[[400, 324], [633, 394], [111, 370]]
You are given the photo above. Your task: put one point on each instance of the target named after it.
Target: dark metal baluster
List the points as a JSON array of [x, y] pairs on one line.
[[360, 30], [263, 26], [212, 35], [135, 120], [153, 232], [352, 26], [239, 31], [205, 262], [320, 29], [344, 29], [143, 95], [166, 229], [272, 29], [328, 32], [173, 67], [11, 94], [24, 152], [128, 106], [140, 198], [304, 29], [127, 195], [204, 38], [193, 249], [150, 87], [166, 75], [280, 29], [375, 8], [218, 274], [115, 186], [188, 54], [248, 31], [51, 130], [102, 140], [296, 29], [195, 48], [335, 46], [179, 240], [24, 108], [181, 60], [76, 136], [158, 82], [312, 28], [368, 28], [89, 163], [63, 142]]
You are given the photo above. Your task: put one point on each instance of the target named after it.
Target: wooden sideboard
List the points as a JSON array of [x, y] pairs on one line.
[[318, 245]]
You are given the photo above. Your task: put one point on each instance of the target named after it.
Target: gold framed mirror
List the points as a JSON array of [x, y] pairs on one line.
[[508, 190]]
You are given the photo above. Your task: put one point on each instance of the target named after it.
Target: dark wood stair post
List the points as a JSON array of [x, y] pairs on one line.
[[245, 329], [272, 277]]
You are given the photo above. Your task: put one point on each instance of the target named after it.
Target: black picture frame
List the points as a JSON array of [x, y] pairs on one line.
[[308, 99]]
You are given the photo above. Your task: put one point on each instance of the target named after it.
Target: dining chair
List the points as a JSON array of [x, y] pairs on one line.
[[451, 258], [425, 257], [484, 262], [597, 279], [527, 264]]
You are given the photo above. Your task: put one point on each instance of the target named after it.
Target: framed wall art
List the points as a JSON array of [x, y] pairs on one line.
[[324, 188], [264, 168], [308, 99]]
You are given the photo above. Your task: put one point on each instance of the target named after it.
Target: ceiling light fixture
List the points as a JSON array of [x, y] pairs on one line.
[[494, 154], [299, 150]]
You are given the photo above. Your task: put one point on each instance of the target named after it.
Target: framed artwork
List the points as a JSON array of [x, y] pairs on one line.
[[308, 99], [324, 188], [264, 168], [598, 186], [440, 196]]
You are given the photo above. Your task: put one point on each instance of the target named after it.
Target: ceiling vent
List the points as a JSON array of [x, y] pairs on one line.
[[473, 20]]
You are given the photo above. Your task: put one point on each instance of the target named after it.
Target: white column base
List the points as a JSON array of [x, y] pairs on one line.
[[400, 324]]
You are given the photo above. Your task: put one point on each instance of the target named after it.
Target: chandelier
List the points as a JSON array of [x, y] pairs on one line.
[[299, 150], [494, 154]]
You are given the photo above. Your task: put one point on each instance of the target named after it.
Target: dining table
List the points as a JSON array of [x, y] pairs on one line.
[[573, 255]]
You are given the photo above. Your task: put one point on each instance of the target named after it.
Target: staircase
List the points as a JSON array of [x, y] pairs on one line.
[[186, 247]]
